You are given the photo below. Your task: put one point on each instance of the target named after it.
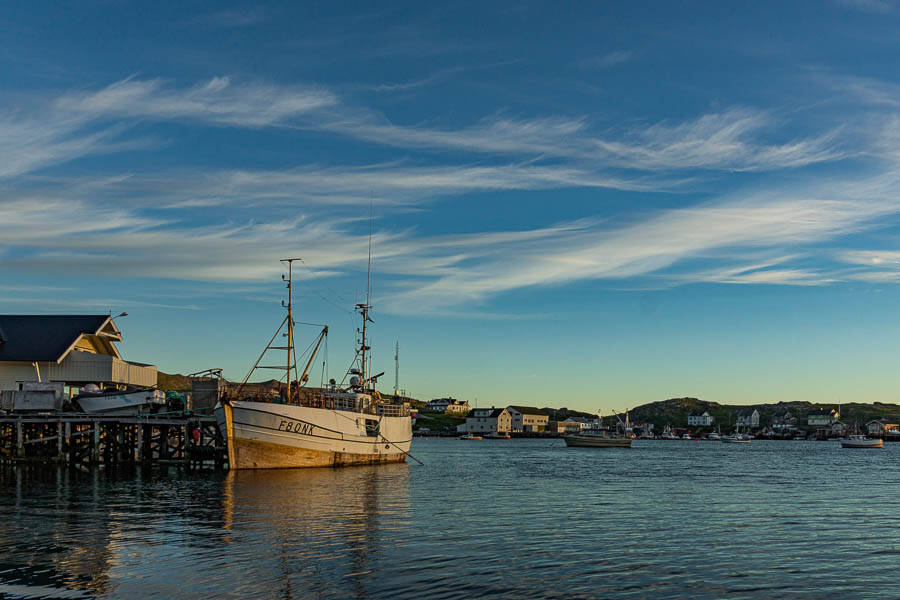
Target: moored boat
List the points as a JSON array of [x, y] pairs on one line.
[[342, 426], [736, 438], [119, 402], [597, 439], [601, 438], [469, 437], [861, 441], [497, 435]]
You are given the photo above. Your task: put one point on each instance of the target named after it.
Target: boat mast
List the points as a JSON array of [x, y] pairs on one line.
[[290, 323], [364, 307]]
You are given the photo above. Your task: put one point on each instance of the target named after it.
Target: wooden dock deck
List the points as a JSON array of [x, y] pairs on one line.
[[88, 440]]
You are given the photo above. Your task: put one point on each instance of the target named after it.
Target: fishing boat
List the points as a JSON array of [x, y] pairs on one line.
[[861, 441], [119, 403], [342, 425], [469, 437], [714, 437], [600, 438], [736, 438]]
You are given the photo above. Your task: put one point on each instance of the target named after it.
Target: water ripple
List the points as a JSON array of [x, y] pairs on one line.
[[509, 519]]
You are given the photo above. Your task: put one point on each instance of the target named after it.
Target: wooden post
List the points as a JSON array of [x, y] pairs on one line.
[[59, 441], [68, 434], [95, 442], [140, 443], [20, 440], [185, 447], [120, 443], [163, 442]]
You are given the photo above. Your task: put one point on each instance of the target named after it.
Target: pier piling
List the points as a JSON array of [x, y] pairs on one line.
[[88, 440]]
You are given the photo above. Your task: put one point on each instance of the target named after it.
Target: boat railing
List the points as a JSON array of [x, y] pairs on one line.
[[393, 410], [344, 403]]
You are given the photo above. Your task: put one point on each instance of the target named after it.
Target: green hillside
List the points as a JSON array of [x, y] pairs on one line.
[[675, 411]]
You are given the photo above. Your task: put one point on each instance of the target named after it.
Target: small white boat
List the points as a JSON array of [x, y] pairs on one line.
[[120, 402], [497, 435], [861, 441], [687, 436], [737, 438], [714, 437], [469, 437]]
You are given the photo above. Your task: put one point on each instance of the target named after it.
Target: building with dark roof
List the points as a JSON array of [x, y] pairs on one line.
[[528, 418], [73, 349], [488, 420]]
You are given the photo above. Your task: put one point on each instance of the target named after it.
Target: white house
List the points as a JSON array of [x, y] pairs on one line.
[[488, 420], [700, 419], [72, 349], [748, 418], [528, 418], [447, 405], [822, 418]]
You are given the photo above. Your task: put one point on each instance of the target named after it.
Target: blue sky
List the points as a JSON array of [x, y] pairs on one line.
[[585, 205]]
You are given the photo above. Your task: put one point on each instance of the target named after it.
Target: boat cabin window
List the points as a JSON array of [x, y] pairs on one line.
[[371, 427]]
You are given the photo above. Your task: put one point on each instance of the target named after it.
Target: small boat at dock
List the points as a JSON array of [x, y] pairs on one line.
[[498, 435], [119, 403], [469, 437]]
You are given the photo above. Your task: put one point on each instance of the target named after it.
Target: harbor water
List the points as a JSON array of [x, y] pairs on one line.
[[500, 518]]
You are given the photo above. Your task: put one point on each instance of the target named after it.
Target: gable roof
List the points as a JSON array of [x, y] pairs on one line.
[[529, 410], [746, 412], [44, 337]]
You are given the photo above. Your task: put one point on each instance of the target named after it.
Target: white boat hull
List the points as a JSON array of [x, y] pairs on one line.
[[261, 435], [123, 404], [866, 443]]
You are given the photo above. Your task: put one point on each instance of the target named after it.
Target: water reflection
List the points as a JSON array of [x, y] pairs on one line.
[[326, 530]]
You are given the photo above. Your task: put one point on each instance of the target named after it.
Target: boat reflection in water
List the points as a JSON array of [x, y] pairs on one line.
[[316, 532]]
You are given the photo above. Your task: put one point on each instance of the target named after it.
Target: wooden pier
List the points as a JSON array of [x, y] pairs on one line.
[[81, 440]]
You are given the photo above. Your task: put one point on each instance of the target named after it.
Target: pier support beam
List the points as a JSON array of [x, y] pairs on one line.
[[95, 443], [20, 440]]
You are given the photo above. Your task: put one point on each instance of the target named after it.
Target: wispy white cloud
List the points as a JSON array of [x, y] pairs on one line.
[[654, 246], [608, 60], [217, 101], [870, 6], [230, 18], [88, 122], [724, 140]]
